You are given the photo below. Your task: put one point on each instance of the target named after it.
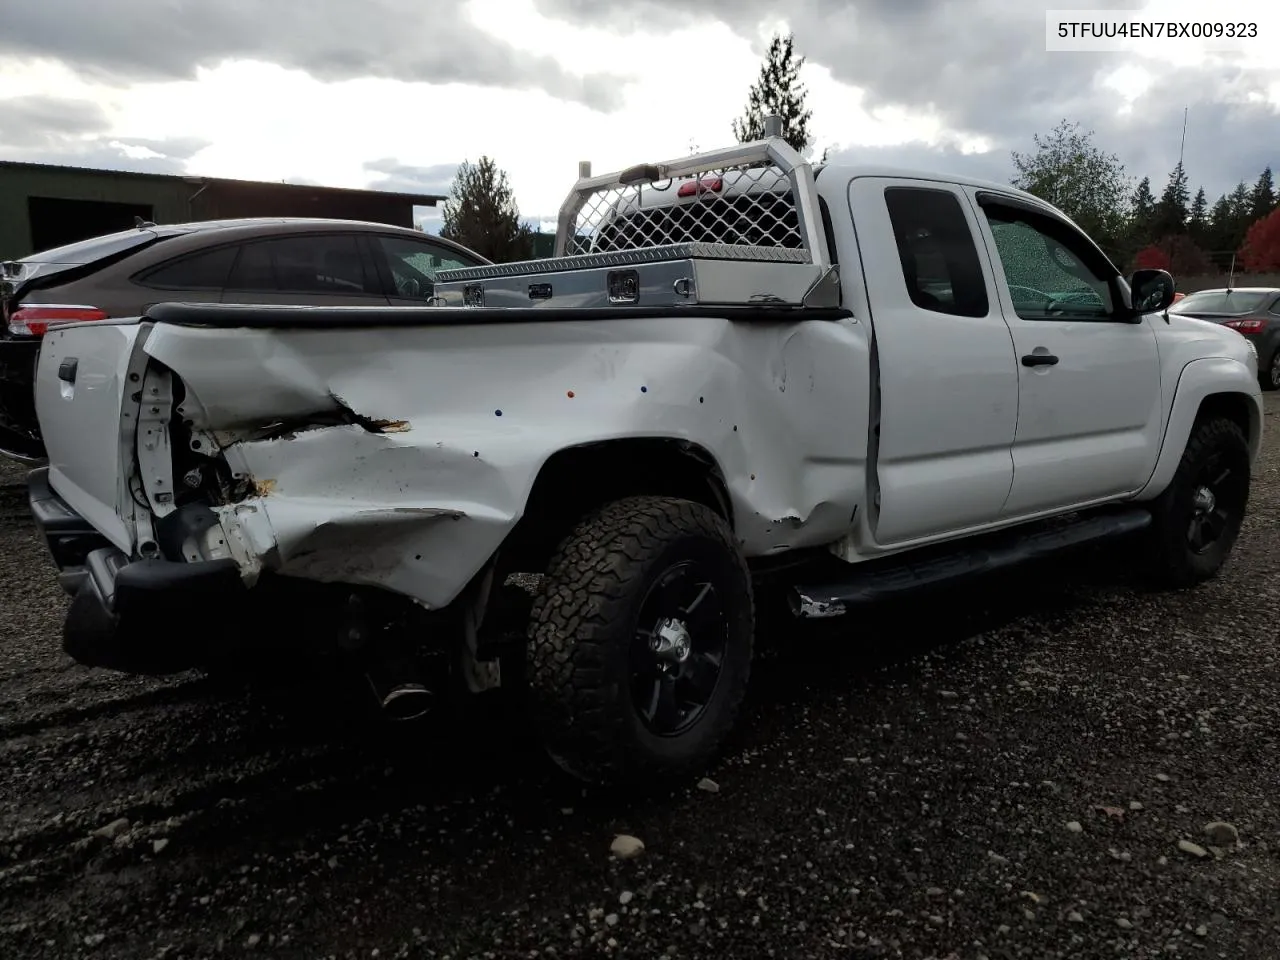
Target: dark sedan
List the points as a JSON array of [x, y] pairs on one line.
[[1253, 311], [300, 261]]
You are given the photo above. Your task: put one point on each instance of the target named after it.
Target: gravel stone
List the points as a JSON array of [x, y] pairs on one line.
[[299, 822], [113, 829], [1222, 834], [625, 846], [1194, 849]]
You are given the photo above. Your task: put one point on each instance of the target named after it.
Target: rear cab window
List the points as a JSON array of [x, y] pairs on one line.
[[937, 251]]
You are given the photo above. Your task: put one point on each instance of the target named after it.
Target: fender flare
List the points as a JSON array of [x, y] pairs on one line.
[[1200, 380]]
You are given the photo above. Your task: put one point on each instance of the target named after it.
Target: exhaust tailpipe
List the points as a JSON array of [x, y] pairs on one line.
[[408, 701], [399, 690]]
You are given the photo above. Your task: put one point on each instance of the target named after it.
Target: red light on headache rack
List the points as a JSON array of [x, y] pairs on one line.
[[33, 319], [1246, 326], [705, 185]]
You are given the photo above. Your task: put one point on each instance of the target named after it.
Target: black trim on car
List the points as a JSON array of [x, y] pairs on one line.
[[228, 315]]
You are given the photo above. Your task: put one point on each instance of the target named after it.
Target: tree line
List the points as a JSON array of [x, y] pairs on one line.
[[1175, 231]]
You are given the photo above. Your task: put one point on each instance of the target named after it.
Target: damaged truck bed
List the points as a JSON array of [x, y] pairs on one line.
[[739, 378]]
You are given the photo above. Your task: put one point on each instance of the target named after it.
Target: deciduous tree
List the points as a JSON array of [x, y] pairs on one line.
[[1087, 184], [1261, 249]]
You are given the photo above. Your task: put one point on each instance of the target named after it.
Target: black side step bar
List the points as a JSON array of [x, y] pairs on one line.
[[1001, 551]]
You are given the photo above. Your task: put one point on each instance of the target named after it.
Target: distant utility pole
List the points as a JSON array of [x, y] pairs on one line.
[[1183, 146]]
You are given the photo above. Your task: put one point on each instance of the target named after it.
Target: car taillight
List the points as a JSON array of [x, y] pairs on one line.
[[704, 185], [1246, 326], [33, 319]]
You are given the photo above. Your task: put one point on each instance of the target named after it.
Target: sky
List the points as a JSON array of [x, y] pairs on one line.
[[393, 94]]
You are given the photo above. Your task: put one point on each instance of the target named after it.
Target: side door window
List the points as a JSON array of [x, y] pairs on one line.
[[413, 264], [326, 265], [939, 258], [205, 271], [1051, 271]]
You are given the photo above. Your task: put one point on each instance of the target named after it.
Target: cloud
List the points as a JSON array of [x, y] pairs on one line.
[[75, 132], [400, 177], [35, 122], [980, 69], [921, 157], [128, 41], [978, 65]]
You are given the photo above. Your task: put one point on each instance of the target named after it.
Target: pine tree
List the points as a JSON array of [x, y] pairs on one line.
[[1171, 211], [1241, 214], [1263, 199], [1198, 223], [481, 213], [1142, 226], [777, 92], [1221, 231]]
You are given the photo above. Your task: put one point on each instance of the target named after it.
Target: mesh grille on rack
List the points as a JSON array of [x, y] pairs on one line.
[[747, 207]]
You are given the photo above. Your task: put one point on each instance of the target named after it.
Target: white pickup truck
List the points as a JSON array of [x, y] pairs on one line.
[[738, 369]]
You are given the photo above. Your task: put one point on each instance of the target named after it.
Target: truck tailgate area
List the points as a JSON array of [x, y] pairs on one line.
[[87, 376]]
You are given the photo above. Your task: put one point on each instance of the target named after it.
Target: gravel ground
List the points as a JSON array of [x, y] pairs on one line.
[[1013, 783]]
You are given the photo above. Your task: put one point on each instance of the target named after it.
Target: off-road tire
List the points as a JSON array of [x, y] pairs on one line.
[[586, 617], [1266, 372], [1173, 563]]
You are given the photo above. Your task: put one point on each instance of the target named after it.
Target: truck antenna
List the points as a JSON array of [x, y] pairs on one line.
[[1232, 275]]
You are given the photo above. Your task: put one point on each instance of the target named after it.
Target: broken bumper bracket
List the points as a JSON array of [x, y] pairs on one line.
[[144, 616]]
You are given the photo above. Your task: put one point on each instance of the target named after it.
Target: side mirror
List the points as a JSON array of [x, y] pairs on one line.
[[1151, 291]]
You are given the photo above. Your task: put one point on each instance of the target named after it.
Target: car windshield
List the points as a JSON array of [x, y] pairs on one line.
[[1220, 301]]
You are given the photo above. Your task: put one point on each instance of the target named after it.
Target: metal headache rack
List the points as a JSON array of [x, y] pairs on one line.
[[733, 227]]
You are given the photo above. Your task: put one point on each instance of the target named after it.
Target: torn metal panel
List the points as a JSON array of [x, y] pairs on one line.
[[812, 608], [402, 458]]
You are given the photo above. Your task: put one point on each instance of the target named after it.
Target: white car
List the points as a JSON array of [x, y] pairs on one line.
[[739, 371]]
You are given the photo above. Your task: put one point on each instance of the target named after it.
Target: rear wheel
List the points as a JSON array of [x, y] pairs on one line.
[[640, 643], [1198, 517], [1269, 375]]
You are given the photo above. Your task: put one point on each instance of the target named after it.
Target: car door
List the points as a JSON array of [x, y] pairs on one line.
[[1089, 404], [948, 391], [309, 269], [409, 265]]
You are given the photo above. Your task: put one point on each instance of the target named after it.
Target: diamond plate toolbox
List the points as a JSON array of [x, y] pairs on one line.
[[664, 276]]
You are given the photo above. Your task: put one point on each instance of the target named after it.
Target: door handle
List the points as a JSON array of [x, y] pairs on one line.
[[67, 370], [1039, 360]]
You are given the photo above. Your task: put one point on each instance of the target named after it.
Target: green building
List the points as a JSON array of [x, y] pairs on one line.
[[44, 206]]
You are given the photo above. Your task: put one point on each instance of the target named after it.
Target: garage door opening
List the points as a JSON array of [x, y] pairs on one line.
[[56, 222]]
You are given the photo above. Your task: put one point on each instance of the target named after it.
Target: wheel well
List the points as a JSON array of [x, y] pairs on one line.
[[579, 479], [1234, 407]]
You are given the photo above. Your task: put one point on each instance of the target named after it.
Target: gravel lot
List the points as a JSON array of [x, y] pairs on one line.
[[1013, 783]]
